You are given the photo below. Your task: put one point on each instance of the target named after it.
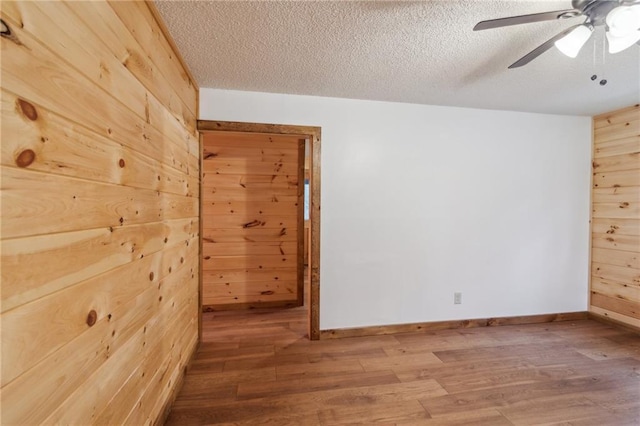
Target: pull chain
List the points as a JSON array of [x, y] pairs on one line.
[[594, 77], [604, 58]]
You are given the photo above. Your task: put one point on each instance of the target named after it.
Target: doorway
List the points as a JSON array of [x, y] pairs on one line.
[[278, 137]]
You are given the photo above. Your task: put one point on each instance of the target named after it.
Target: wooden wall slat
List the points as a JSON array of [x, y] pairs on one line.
[[100, 166], [614, 304], [267, 167], [616, 117], [617, 147], [266, 182], [615, 289], [615, 316], [617, 162], [212, 263], [615, 257], [628, 243], [615, 228], [287, 288], [616, 179], [256, 221], [621, 274], [53, 259], [258, 141], [249, 208], [249, 249], [619, 130], [616, 195], [238, 235], [39, 203], [233, 193], [621, 210], [252, 275], [225, 302], [232, 151]]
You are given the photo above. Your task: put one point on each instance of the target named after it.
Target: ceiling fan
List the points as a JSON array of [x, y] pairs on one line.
[[621, 19]]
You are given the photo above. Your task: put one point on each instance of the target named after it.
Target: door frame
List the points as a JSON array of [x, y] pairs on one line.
[[312, 133]]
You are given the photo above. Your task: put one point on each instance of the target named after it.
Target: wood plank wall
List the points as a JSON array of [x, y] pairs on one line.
[[615, 243], [252, 219], [99, 235]]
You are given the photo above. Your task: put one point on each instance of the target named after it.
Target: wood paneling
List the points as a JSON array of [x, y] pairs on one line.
[[251, 218], [100, 223], [615, 238]]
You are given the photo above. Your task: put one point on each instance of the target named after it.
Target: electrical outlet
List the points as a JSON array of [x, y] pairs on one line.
[[457, 298]]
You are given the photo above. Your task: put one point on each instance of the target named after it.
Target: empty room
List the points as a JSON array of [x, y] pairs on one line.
[[320, 212]]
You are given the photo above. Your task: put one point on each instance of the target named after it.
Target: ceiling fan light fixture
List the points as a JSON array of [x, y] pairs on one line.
[[618, 44], [623, 20], [571, 44]]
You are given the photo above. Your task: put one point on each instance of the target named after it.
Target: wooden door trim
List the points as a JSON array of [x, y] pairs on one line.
[[313, 134], [300, 223]]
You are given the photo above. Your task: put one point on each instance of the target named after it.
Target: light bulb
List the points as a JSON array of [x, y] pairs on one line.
[[571, 44], [618, 44], [623, 20]]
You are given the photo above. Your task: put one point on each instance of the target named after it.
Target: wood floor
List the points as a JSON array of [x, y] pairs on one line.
[[258, 368]]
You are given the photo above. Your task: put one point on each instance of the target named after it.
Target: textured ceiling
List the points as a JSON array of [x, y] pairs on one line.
[[418, 52]]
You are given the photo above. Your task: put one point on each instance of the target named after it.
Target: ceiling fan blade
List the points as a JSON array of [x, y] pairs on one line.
[[525, 19], [541, 49]]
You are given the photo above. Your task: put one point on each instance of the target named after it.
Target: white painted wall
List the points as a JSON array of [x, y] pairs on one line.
[[421, 201]]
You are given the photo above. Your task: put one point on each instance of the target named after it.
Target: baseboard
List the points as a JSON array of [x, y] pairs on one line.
[[166, 410], [612, 321], [250, 305], [448, 325]]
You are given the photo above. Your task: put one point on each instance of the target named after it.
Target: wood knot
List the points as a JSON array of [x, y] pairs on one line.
[[121, 163], [28, 110], [151, 276], [25, 158], [267, 292], [624, 205], [5, 31], [92, 317]]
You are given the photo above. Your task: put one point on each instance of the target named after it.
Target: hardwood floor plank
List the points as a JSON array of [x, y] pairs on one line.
[[559, 408], [284, 387], [267, 361], [399, 362], [258, 368], [481, 417], [318, 369], [375, 413], [509, 396]]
